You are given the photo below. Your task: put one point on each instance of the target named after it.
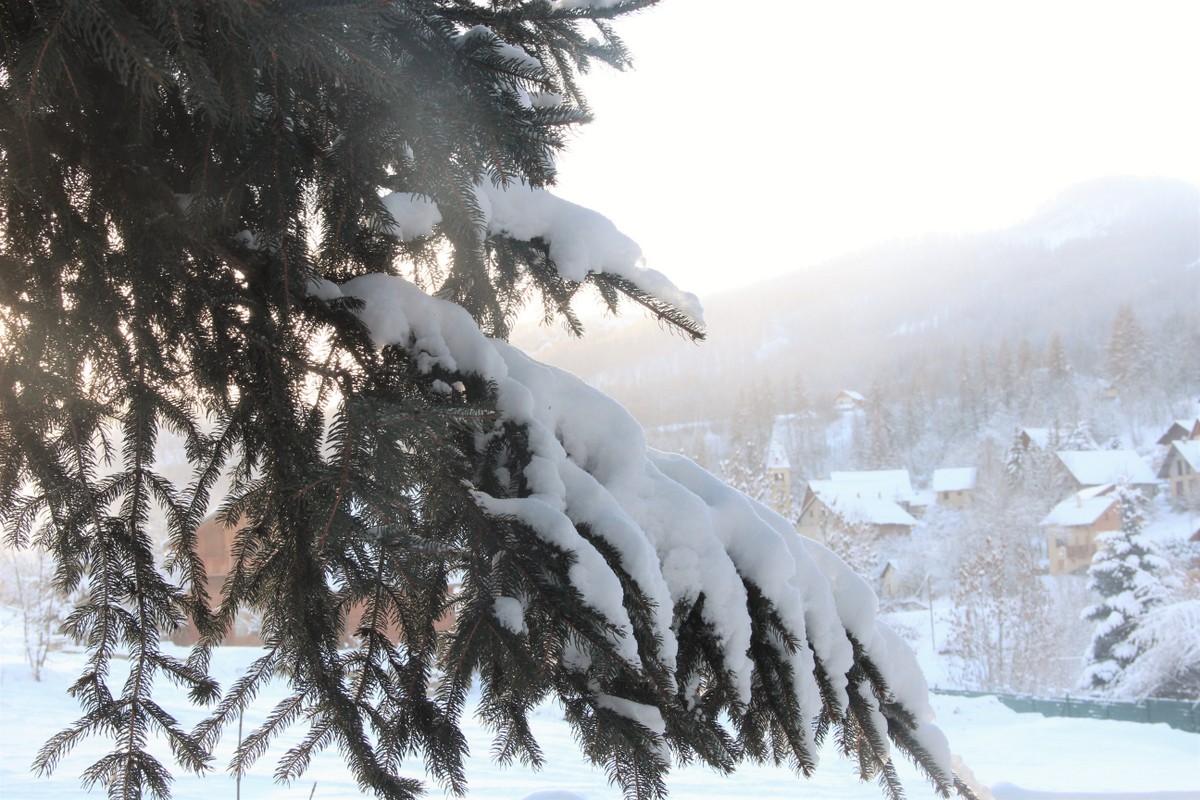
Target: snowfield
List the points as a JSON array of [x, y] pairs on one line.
[[1020, 756]]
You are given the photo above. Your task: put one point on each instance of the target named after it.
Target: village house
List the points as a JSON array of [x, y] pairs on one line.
[[1071, 528], [1181, 470], [875, 503], [953, 486], [214, 545], [848, 400], [1088, 468]]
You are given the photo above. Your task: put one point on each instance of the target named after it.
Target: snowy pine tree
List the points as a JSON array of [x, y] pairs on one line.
[[1056, 358], [1168, 639], [1127, 574], [220, 220], [1127, 352]]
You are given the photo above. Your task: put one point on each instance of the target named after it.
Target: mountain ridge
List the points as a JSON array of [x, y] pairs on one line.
[[877, 313]]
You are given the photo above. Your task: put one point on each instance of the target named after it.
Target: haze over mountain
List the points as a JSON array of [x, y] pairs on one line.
[[884, 312]]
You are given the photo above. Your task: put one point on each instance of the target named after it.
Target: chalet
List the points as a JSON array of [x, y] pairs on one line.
[[848, 400], [952, 487], [1071, 528], [1088, 468], [214, 545], [1181, 470], [1180, 430], [838, 504]]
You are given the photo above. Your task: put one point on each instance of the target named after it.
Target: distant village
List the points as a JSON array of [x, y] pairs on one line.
[[878, 506]]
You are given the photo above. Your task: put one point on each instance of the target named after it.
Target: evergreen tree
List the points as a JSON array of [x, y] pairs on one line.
[[880, 450], [207, 208], [1005, 376], [983, 382], [1127, 352], [968, 392], [1056, 358], [1016, 459], [1127, 574], [1024, 359]]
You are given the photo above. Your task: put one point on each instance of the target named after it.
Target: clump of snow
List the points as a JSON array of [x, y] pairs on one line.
[[544, 99], [509, 52], [648, 717], [581, 241], [511, 614], [583, 4], [437, 332], [413, 215], [324, 289]]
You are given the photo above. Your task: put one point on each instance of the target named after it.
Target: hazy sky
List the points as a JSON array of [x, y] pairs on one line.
[[758, 138]]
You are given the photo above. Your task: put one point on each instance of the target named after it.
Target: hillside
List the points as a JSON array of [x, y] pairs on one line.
[[885, 313]]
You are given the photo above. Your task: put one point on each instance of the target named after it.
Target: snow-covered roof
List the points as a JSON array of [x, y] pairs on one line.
[[1095, 467], [1188, 450], [1038, 437], [922, 498], [1095, 491], [953, 479], [871, 511], [890, 484], [1079, 509], [851, 395], [1180, 429], [859, 504]]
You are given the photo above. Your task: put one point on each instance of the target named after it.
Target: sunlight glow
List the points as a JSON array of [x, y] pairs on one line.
[[748, 146]]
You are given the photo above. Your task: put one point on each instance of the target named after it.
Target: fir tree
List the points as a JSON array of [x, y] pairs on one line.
[[196, 198], [1127, 351], [1056, 358], [1016, 459], [1024, 359], [1127, 574], [1005, 376]]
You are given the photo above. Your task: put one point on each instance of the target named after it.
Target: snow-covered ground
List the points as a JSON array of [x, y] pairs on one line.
[[1009, 752]]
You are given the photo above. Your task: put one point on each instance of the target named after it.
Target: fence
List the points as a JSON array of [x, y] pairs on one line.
[[1177, 713]]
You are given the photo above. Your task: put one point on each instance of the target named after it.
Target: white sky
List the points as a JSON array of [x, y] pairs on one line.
[[746, 145]]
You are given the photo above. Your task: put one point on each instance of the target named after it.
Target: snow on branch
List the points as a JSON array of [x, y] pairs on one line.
[[582, 242], [680, 533]]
